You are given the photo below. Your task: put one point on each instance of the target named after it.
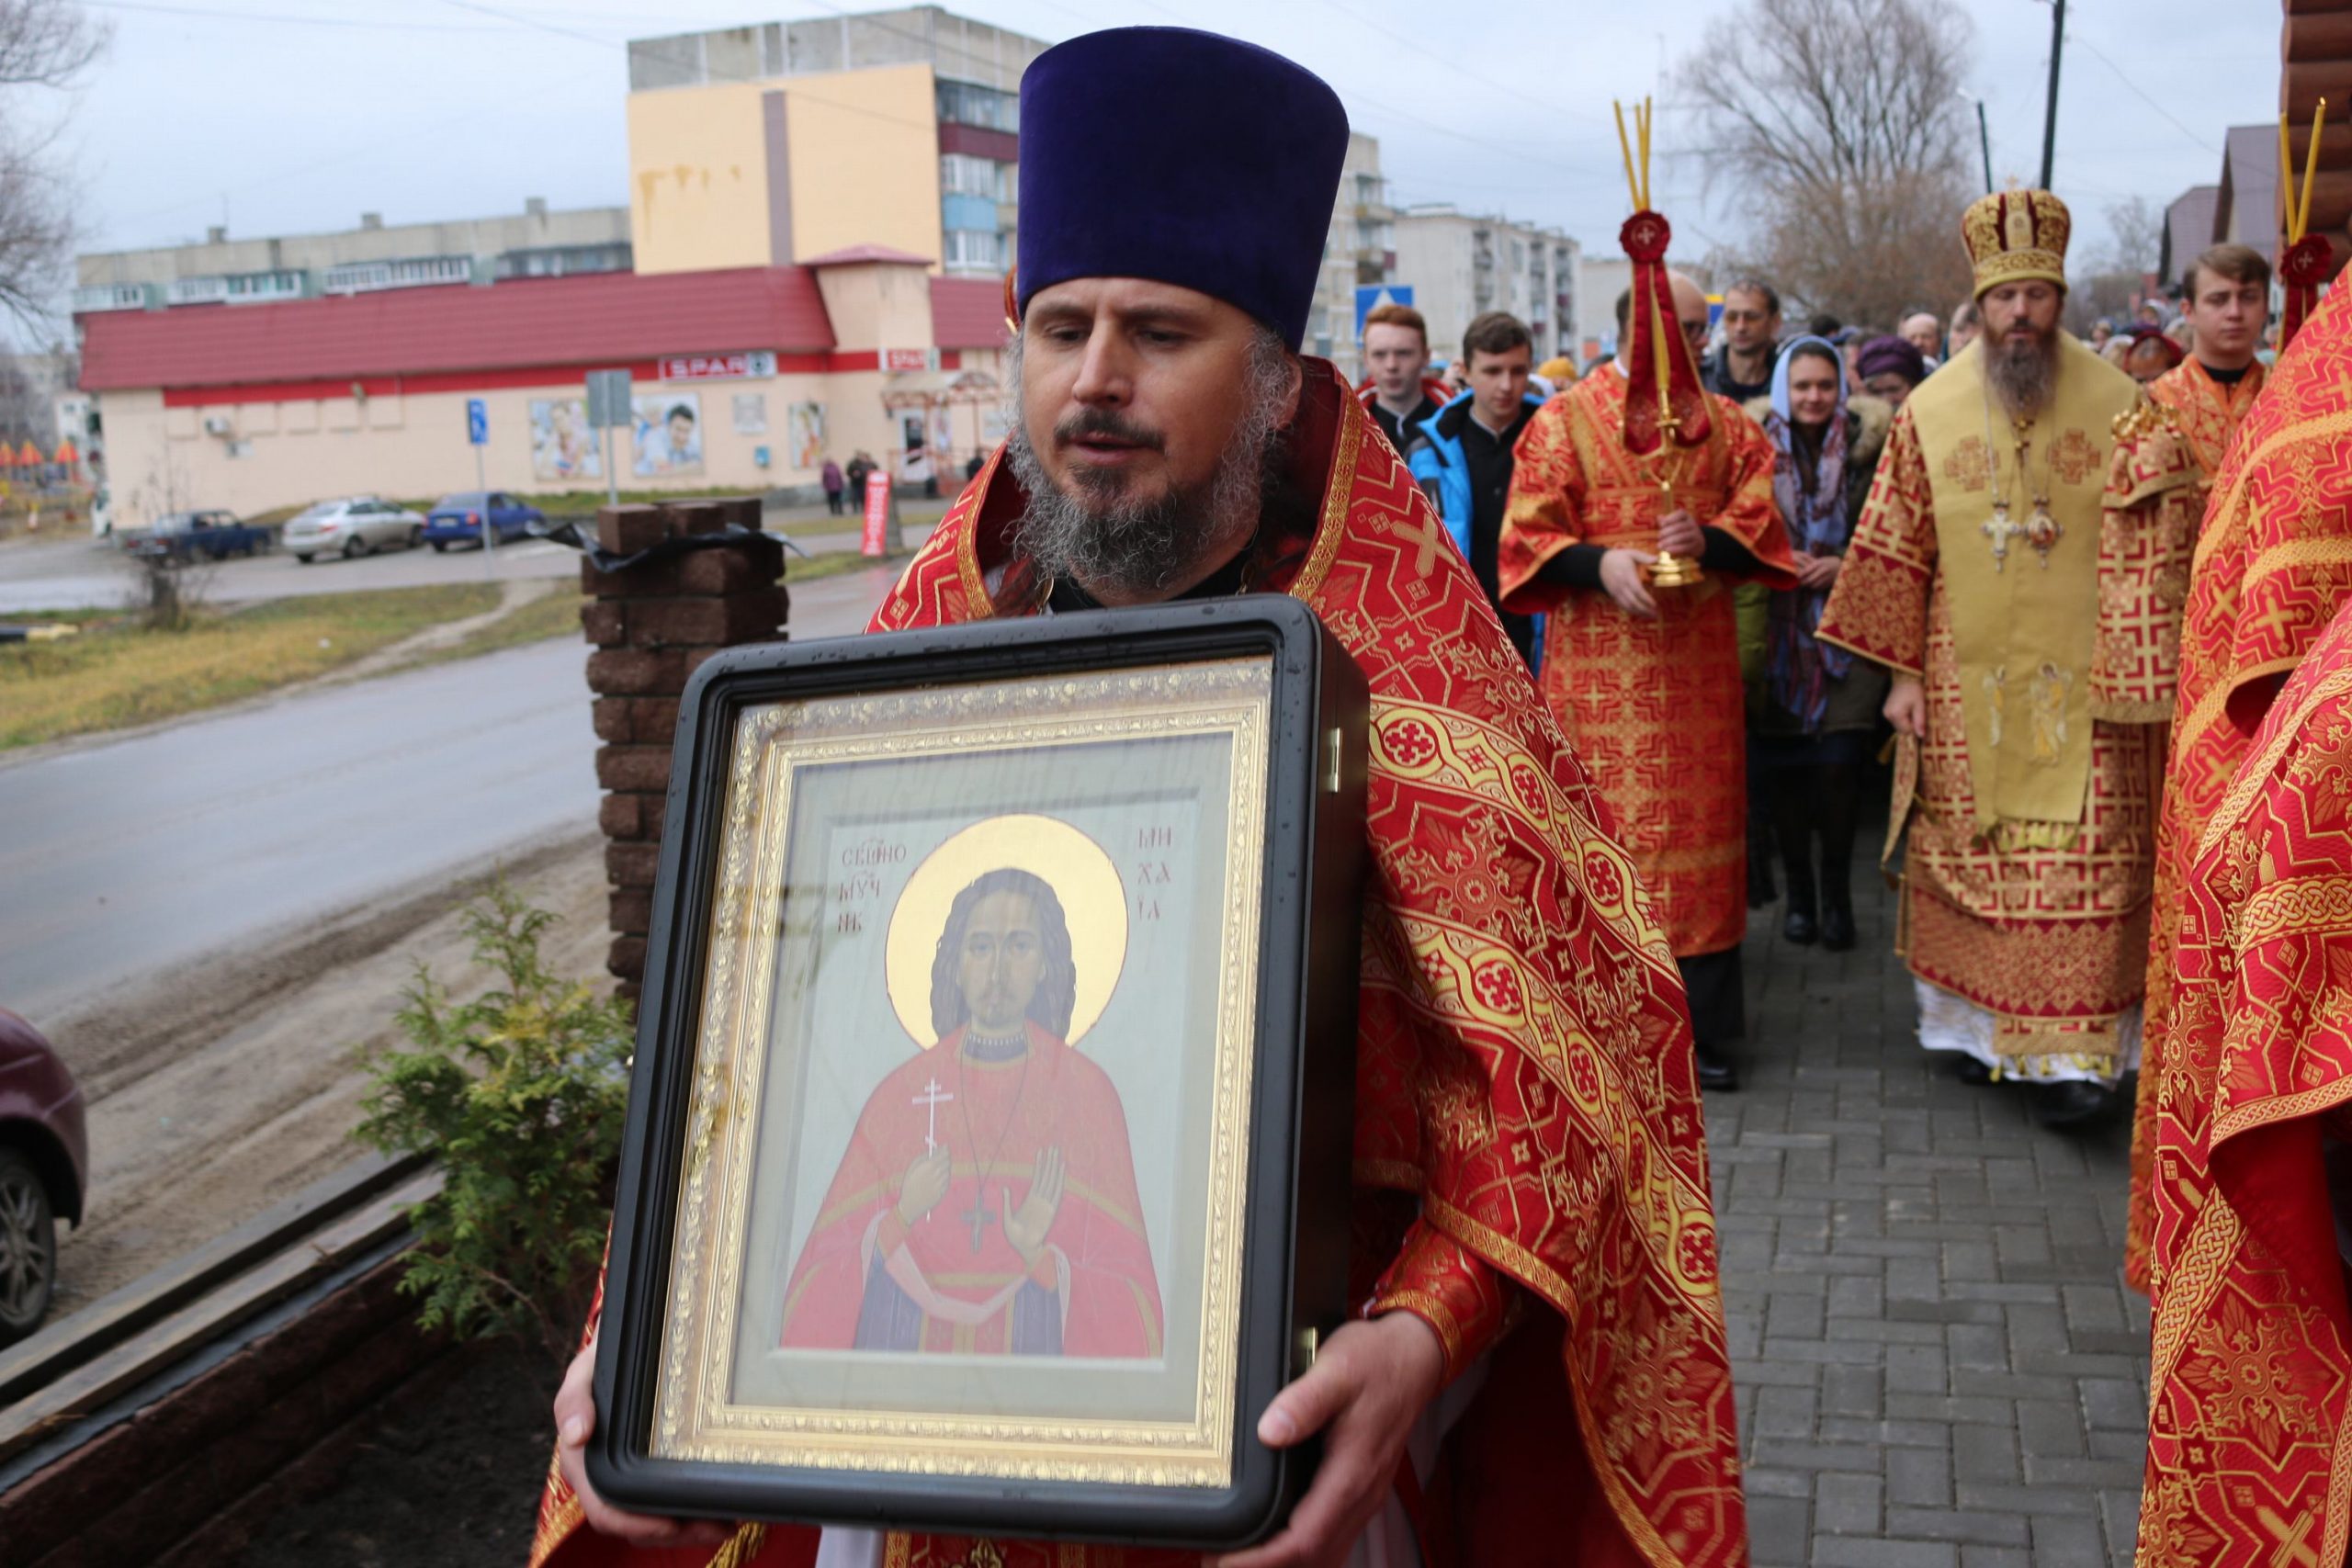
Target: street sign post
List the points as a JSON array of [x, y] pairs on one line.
[[478, 435], [1371, 297], [609, 407]]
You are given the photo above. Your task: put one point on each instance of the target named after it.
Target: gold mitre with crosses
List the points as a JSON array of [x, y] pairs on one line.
[[2017, 234]]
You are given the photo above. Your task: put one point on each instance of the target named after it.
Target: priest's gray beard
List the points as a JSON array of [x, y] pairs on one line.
[[2022, 374], [1136, 546]]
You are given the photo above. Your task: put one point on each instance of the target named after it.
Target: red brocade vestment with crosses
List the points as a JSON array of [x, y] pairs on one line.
[[1654, 707]]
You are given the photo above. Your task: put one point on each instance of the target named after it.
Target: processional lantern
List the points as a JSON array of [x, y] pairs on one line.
[[1666, 407]]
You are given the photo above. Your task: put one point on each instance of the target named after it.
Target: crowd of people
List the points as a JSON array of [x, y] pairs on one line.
[[1819, 711], [1692, 598]]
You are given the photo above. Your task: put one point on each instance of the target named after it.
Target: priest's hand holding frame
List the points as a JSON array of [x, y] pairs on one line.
[[1368, 1386], [575, 1423]]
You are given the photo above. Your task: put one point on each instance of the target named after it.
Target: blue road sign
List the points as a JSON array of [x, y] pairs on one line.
[[1371, 297], [477, 421]]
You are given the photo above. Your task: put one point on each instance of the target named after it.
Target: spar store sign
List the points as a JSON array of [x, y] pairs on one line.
[[752, 365]]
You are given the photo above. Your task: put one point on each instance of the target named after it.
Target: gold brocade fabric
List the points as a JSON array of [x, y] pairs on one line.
[[2025, 630], [2250, 1357], [2147, 537], [2273, 562], [1654, 707], [2205, 410], [2045, 936]]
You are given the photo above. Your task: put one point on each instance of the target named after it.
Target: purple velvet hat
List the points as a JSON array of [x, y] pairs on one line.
[[1182, 157]]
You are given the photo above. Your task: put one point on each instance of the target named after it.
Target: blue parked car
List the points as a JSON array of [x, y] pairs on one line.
[[456, 519]]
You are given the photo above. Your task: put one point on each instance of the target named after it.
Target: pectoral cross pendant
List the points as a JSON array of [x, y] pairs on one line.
[[2042, 531], [979, 1215], [2001, 530]]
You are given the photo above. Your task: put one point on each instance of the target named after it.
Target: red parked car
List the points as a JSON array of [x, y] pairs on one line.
[[44, 1169]]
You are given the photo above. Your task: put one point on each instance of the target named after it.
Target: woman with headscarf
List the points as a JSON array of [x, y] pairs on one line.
[[1890, 369], [1813, 715]]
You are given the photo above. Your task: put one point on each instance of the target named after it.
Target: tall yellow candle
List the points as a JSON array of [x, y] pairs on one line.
[[2311, 172]]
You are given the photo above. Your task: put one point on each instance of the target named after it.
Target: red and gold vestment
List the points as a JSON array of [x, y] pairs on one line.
[[1528, 1125], [2025, 884], [1654, 707], [2273, 561], [2250, 1418], [2206, 413]]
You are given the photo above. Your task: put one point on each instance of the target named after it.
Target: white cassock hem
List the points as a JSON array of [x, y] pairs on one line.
[[1948, 1023]]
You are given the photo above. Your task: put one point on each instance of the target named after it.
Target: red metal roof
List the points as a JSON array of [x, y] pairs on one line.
[[520, 324], [969, 313]]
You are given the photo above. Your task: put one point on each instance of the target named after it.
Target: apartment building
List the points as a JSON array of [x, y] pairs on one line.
[[1461, 266], [370, 258]]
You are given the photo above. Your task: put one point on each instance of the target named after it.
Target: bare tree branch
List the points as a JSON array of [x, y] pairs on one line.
[[1839, 123], [44, 44]]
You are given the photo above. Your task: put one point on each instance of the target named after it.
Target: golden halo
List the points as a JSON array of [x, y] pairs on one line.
[[1094, 900]]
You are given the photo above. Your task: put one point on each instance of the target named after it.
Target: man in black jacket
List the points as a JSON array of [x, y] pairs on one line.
[[1742, 367]]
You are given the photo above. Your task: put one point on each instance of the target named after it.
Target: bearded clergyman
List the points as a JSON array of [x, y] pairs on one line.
[[2027, 609], [1537, 1371]]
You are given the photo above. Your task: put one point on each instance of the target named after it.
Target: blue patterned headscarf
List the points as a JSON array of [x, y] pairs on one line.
[[1811, 492]]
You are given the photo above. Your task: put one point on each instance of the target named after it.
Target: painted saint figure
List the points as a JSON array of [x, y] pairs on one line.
[[987, 1202]]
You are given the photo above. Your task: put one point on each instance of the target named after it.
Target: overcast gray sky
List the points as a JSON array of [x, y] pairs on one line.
[[292, 115]]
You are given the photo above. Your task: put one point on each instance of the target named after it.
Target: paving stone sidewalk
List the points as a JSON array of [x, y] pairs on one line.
[[1938, 1363]]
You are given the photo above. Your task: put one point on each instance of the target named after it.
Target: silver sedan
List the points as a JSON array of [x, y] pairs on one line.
[[355, 526]]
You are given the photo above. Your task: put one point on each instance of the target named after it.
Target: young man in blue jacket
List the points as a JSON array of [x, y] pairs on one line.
[[1461, 455]]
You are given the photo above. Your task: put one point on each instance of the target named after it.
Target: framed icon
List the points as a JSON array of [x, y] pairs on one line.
[[988, 1154]]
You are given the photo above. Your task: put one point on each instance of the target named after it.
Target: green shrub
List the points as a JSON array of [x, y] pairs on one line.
[[520, 1093]]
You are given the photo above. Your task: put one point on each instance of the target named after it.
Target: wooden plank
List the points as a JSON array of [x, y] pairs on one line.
[[2301, 85], [2326, 35], [2331, 199], [215, 1313], [81, 1335]]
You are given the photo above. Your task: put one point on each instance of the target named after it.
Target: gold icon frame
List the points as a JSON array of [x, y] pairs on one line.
[[694, 1415]]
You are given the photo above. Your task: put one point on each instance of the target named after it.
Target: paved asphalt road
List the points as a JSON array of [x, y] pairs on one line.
[[75, 573], [79, 575], [125, 857]]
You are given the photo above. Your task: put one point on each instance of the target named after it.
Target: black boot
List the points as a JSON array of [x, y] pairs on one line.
[[1760, 890], [1835, 804], [2075, 1104], [1792, 826], [1715, 1071]]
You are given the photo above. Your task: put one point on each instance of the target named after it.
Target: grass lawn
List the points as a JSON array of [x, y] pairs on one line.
[[118, 673], [832, 563], [557, 613]]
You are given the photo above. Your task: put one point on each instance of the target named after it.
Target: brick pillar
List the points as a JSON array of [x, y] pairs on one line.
[[651, 626]]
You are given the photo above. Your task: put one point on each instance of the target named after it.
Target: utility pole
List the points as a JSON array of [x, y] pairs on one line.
[[2050, 116], [1984, 137]]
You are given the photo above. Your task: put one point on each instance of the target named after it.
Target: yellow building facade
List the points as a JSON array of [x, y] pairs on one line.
[[768, 146]]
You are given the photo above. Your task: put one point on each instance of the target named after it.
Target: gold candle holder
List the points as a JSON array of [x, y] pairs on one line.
[[1669, 570]]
